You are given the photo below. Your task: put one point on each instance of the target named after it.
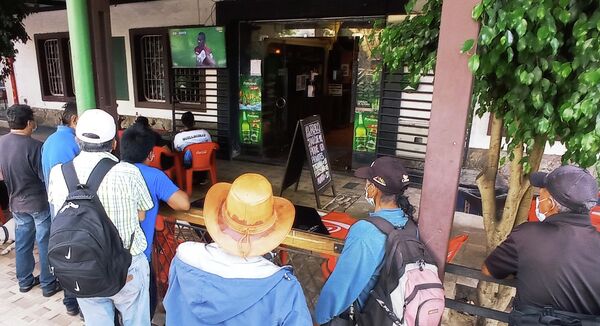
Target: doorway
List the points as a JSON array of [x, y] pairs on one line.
[[305, 68]]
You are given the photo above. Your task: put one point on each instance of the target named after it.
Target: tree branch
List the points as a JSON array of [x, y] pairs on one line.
[[535, 159]]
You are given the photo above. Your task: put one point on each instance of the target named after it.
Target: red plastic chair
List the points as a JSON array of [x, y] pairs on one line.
[[174, 173], [204, 158]]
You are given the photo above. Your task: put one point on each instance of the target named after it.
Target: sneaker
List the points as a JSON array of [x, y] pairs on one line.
[[72, 310], [54, 289], [25, 289]]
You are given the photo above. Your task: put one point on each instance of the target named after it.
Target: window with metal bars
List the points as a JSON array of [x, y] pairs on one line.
[[153, 55], [54, 63]]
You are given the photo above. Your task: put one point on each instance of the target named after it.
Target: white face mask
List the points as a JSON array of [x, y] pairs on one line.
[[369, 199], [541, 216]]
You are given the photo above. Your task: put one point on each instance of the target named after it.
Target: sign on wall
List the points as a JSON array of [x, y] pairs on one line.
[[250, 110]]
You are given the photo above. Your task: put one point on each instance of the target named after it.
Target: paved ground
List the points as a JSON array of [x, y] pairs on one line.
[[33, 309]]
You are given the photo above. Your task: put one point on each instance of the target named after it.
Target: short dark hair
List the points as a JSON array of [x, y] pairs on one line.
[[136, 144], [70, 111], [188, 119], [202, 34], [143, 121], [107, 146], [18, 115]]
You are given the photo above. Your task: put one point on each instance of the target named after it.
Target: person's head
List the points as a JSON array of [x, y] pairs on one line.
[[187, 119], [69, 115], [568, 189], [136, 145], [244, 218], [386, 181], [20, 118], [96, 131], [143, 121], [201, 39]]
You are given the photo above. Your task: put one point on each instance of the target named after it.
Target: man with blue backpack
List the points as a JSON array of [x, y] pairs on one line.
[[369, 283]]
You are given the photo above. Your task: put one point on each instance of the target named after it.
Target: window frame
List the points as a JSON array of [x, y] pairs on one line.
[[65, 66], [135, 36]]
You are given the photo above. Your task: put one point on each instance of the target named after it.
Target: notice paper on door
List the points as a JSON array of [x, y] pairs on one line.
[[301, 82], [255, 68]]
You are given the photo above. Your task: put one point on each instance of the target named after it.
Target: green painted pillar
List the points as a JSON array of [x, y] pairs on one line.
[[81, 54]]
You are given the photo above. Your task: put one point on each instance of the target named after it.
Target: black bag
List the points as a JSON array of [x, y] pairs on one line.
[[408, 291], [530, 316], [85, 251]]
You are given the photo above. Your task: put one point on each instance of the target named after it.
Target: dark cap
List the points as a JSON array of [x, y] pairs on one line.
[[387, 174], [571, 186]]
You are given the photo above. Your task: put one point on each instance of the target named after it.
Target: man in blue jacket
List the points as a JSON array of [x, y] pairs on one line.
[[228, 282], [358, 267], [61, 147]]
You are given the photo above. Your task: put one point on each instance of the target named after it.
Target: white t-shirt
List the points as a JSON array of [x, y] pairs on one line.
[[186, 138]]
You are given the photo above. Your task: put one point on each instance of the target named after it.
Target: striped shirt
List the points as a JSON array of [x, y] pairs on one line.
[[123, 193]]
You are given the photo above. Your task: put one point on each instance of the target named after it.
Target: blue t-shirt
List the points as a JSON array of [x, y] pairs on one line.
[[59, 148], [161, 188]]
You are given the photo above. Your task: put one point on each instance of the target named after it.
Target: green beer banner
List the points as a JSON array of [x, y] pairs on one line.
[[365, 131], [250, 110]]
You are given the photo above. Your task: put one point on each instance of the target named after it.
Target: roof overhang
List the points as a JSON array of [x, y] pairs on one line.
[[51, 5]]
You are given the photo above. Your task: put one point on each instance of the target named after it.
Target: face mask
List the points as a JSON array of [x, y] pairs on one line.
[[369, 199], [34, 128], [541, 216]]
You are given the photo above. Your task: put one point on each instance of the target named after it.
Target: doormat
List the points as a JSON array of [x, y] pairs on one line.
[[341, 202], [350, 185]]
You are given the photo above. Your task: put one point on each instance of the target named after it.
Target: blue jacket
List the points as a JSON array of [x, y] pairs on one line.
[[358, 266], [197, 297], [59, 148]]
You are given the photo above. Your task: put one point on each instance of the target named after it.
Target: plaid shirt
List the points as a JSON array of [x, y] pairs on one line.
[[123, 193]]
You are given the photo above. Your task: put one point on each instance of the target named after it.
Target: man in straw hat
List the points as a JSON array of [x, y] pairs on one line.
[[556, 261], [229, 282], [358, 267]]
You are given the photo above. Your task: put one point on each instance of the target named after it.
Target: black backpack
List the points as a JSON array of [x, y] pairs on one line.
[[85, 251], [408, 290]]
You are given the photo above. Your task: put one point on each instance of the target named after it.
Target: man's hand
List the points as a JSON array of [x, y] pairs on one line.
[[485, 271]]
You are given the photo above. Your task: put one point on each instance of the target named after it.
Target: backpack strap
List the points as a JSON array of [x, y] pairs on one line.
[[382, 224], [97, 175], [71, 179], [420, 287]]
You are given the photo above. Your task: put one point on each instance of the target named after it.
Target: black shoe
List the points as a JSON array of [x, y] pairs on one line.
[[54, 289], [73, 311], [36, 281]]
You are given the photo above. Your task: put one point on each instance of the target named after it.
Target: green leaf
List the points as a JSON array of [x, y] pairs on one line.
[[537, 74], [522, 27], [510, 54], [473, 63], [567, 114], [477, 11], [598, 130], [543, 33], [537, 98], [548, 110], [486, 35], [564, 16], [566, 70], [554, 43], [541, 12], [467, 46]]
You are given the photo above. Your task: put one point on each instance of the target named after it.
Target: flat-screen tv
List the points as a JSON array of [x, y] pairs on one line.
[[198, 47]]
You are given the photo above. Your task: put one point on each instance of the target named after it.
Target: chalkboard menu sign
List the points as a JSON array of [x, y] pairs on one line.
[[310, 133]]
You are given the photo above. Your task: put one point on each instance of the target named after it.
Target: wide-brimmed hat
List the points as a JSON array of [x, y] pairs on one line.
[[244, 218]]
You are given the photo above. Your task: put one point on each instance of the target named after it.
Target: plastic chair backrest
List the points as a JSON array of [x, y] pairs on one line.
[[203, 155], [158, 152]]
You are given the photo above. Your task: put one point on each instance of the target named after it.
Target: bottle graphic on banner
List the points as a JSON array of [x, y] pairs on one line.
[[371, 137], [360, 134], [245, 128]]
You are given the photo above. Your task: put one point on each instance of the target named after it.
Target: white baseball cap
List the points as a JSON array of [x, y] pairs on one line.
[[96, 127]]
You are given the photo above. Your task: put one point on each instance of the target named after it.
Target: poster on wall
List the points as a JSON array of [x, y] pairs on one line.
[[365, 130], [250, 110], [198, 47]]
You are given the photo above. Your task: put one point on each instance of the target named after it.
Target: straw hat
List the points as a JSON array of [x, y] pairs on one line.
[[244, 218]]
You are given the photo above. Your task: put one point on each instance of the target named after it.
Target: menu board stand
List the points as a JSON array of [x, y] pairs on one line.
[[310, 133]]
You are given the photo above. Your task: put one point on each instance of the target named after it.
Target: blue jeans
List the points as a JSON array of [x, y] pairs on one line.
[[132, 301], [32, 227]]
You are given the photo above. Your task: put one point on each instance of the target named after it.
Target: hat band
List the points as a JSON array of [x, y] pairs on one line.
[[233, 222]]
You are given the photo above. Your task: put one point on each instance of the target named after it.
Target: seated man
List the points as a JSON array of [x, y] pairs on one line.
[[229, 282], [136, 148], [556, 261], [188, 136], [358, 267]]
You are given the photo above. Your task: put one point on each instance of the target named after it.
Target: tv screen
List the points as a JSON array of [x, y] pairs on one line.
[[198, 47]]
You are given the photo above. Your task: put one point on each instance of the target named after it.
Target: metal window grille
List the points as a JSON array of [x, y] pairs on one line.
[[153, 67], [53, 67], [190, 85]]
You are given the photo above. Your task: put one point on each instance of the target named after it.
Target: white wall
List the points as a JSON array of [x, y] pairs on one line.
[[123, 17], [480, 139]]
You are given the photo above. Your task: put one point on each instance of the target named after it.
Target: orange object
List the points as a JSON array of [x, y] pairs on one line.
[[454, 246], [174, 173], [204, 158], [165, 247]]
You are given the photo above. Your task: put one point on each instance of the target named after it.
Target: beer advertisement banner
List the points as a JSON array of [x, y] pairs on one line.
[[250, 110], [365, 130]]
